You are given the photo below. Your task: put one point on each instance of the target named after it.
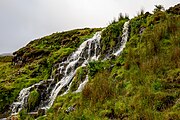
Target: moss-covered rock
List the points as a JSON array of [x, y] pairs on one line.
[[33, 100]]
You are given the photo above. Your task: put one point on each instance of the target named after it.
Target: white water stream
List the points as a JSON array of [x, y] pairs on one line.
[[124, 39], [78, 58], [88, 51]]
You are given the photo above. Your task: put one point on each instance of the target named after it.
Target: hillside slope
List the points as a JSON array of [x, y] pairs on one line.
[[34, 62], [142, 83]]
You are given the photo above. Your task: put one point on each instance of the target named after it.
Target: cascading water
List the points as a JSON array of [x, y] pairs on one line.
[[81, 86], [23, 96], [89, 50], [124, 39]]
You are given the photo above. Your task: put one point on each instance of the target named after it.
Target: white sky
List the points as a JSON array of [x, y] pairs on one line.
[[24, 20]]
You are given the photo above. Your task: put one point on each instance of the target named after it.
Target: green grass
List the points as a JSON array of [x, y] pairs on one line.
[[79, 78], [38, 58], [142, 83]]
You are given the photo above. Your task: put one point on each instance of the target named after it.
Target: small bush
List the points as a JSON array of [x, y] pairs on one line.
[[99, 89]]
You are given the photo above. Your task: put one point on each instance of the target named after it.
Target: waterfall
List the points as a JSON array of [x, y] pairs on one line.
[[124, 39], [23, 97], [81, 86], [88, 51]]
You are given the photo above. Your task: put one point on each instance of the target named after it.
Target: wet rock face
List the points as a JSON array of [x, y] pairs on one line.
[[70, 109], [118, 43], [42, 91], [41, 112], [17, 60], [23, 99]]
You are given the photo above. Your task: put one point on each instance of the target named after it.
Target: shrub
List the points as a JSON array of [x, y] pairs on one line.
[[174, 10], [6, 58], [99, 89]]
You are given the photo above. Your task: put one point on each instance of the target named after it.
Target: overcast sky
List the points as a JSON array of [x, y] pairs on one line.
[[24, 20]]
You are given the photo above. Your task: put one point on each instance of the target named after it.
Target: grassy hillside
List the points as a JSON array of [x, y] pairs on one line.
[[142, 83], [33, 62]]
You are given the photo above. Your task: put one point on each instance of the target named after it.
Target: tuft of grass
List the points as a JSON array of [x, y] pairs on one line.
[[33, 100]]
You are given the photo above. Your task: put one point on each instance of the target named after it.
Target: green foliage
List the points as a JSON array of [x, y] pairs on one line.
[[35, 62], [6, 58], [112, 33], [142, 83], [96, 66], [120, 108], [23, 115], [79, 78], [157, 85], [33, 100], [63, 52], [62, 104], [174, 10], [99, 89], [158, 8]]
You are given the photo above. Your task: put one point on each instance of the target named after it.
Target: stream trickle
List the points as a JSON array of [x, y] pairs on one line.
[[124, 39]]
